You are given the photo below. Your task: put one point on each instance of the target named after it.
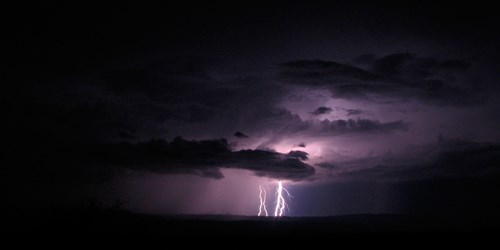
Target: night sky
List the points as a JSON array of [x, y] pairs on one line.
[[187, 108]]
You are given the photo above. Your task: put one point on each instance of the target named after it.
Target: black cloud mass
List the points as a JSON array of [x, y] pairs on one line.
[[318, 94], [203, 158], [445, 159], [322, 110], [394, 77]]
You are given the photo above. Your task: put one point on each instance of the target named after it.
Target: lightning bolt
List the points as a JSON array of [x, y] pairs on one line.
[[262, 206], [280, 204], [280, 200]]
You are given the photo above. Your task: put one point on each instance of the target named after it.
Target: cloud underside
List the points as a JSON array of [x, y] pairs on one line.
[[362, 125], [449, 158], [321, 111], [395, 77], [294, 125], [204, 158]]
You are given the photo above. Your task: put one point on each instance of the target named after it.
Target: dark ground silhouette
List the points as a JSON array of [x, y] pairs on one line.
[[113, 221]]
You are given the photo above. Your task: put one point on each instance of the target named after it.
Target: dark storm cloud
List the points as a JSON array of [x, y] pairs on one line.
[[321, 111], [365, 59], [240, 135], [298, 154], [448, 158], [467, 158], [285, 122], [362, 126], [203, 158], [88, 76], [182, 90], [317, 70], [173, 88], [150, 98], [400, 76], [271, 164], [390, 65]]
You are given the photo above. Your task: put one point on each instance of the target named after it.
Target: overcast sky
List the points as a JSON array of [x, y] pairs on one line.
[[358, 107]]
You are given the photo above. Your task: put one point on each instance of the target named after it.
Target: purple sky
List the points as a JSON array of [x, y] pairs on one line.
[[358, 108]]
